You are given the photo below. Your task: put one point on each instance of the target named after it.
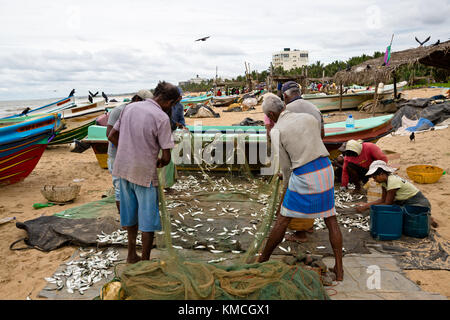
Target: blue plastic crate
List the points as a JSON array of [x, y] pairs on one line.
[[386, 222]]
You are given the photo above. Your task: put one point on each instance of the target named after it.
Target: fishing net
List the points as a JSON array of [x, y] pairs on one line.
[[175, 277]]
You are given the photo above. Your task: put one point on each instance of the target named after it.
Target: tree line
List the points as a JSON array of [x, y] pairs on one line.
[[318, 69]]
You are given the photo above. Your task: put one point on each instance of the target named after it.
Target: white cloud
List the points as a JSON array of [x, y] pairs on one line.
[[121, 46]]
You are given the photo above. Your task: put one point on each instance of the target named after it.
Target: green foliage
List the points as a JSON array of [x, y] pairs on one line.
[[198, 87]]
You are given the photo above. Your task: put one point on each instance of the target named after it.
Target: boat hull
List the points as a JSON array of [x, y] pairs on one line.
[[19, 161], [67, 136], [368, 130], [350, 101]]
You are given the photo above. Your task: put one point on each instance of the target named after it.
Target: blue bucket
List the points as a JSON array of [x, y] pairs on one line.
[[416, 221], [386, 222]]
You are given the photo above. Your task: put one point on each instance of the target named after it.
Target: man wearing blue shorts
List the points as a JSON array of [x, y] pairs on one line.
[[112, 150], [143, 129]]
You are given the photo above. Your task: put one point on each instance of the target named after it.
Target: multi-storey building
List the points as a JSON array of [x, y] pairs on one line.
[[288, 59]]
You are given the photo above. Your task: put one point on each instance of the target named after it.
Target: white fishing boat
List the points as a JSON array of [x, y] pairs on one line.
[[350, 100]]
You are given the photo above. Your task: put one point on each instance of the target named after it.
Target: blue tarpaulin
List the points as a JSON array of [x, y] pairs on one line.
[[423, 124]]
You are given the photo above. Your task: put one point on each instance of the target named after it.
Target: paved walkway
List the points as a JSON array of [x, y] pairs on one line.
[[375, 276]]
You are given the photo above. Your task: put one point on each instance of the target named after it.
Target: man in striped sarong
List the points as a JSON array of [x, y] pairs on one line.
[[307, 175]]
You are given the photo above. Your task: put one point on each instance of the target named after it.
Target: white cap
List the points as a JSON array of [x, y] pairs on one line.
[[144, 94], [379, 164]]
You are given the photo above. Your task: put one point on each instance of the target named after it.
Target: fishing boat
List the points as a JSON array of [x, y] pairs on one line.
[[96, 137], [350, 100], [224, 100], [22, 142], [56, 106], [368, 130], [77, 121], [187, 102]]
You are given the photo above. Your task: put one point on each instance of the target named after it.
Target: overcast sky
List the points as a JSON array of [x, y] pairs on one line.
[[49, 47]]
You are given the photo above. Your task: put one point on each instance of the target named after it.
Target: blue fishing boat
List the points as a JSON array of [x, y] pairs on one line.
[[22, 142]]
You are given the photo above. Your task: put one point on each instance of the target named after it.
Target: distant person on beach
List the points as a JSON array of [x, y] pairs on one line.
[[395, 190], [143, 129], [308, 177], [112, 149], [358, 156], [219, 93]]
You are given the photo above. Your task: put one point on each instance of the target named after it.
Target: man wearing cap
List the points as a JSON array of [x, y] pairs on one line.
[[112, 149], [308, 177], [358, 156], [142, 130], [294, 102]]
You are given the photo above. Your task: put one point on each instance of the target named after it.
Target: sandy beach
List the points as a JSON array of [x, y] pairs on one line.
[[22, 272]]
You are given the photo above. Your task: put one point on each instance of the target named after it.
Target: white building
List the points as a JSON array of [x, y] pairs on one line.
[[196, 80], [288, 59]]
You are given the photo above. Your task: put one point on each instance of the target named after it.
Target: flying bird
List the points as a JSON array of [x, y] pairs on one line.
[[421, 43], [72, 93], [93, 95], [203, 39], [412, 137], [105, 96], [437, 42], [90, 99]]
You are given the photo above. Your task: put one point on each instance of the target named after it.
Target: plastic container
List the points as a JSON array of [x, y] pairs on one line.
[[424, 173], [416, 221], [350, 122], [386, 222], [374, 191]]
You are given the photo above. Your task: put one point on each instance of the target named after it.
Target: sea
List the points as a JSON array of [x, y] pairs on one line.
[[8, 108]]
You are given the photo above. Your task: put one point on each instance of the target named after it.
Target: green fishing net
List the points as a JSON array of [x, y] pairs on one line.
[[178, 278]]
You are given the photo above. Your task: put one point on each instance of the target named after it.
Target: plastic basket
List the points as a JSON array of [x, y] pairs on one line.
[[416, 221], [424, 173]]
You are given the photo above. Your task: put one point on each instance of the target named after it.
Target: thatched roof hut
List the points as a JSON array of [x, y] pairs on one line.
[[372, 71]]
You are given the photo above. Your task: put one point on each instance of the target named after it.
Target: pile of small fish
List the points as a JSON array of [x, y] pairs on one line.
[[355, 221], [117, 237], [83, 273], [340, 197]]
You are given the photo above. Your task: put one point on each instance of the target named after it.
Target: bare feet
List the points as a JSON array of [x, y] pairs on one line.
[[133, 259], [339, 273], [299, 236]]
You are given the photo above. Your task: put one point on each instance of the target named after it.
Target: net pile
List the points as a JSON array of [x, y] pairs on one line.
[[176, 278]]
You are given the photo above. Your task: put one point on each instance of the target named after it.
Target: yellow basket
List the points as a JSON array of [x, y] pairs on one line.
[[424, 173]]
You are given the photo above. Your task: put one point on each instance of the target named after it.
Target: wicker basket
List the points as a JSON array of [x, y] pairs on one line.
[[60, 194], [424, 173]]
